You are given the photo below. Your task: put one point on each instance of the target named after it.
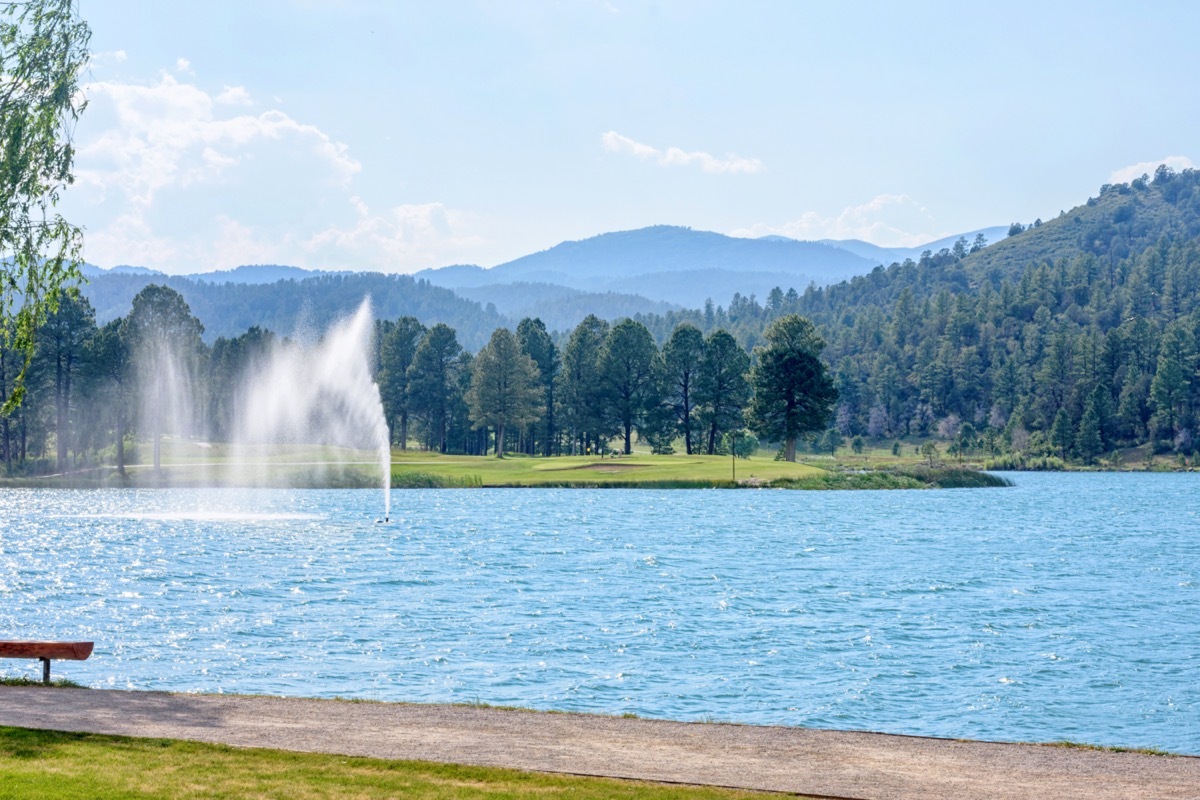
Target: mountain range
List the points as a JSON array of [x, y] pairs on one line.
[[646, 271]]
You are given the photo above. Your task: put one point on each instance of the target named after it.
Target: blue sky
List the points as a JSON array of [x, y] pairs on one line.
[[396, 136]]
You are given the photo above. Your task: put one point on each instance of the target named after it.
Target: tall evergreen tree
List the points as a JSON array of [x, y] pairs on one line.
[[166, 348], [461, 435], [793, 393], [580, 386], [397, 348], [682, 356], [629, 367], [1062, 434], [536, 343], [506, 387], [1170, 387], [722, 388], [1100, 401], [432, 382], [1089, 441], [109, 380], [60, 347]]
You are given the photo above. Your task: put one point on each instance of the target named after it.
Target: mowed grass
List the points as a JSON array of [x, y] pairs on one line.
[[417, 469], [201, 464], [59, 766]]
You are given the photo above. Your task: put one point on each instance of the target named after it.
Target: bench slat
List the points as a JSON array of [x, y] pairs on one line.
[[71, 651]]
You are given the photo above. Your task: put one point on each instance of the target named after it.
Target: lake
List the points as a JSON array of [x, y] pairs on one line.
[[1066, 607]]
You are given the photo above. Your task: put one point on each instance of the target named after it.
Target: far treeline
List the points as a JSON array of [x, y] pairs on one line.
[[92, 392], [1069, 339]]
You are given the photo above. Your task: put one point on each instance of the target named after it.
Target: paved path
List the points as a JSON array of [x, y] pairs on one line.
[[811, 762]]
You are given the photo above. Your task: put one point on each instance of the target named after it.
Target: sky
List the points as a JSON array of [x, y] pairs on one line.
[[395, 136]]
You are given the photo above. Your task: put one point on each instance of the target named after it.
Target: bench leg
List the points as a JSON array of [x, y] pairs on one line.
[[46, 671]]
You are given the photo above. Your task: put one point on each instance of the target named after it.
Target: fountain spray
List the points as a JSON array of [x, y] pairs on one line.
[[321, 394]]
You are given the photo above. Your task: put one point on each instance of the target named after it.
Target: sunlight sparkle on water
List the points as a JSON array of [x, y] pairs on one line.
[[1067, 607]]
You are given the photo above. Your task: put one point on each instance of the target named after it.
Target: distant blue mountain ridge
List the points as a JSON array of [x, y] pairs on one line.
[[250, 274], [895, 255], [647, 270], [92, 271], [687, 267]]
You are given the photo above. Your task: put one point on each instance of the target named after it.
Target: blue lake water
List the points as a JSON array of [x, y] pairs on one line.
[[1067, 607]]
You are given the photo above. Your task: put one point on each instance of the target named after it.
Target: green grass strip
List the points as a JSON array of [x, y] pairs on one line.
[[67, 766]]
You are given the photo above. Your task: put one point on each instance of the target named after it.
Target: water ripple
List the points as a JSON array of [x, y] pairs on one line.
[[1066, 607]]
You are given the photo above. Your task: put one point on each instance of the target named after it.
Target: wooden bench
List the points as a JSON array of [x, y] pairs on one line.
[[70, 651]]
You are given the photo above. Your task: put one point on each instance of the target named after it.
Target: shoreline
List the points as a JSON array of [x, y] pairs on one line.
[[812, 762], [813, 479]]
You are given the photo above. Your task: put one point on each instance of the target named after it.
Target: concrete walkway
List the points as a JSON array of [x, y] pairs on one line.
[[809, 762]]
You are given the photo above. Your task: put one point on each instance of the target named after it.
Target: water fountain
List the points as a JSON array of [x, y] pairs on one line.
[[316, 393]]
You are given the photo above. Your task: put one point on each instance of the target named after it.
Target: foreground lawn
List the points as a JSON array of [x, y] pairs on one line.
[[55, 766], [423, 469]]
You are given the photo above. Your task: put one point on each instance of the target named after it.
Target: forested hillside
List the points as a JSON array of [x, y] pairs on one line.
[[1072, 336], [229, 309], [559, 307]]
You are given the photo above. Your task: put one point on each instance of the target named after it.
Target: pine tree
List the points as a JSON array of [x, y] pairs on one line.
[[1101, 401], [629, 371], [166, 348], [432, 380], [1168, 391], [793, 393], [60, 347], [722, 390], [579, 385], [536, 343], [1062, 435], [682, 357], [1090, 442], [397, 348], [506, 387]]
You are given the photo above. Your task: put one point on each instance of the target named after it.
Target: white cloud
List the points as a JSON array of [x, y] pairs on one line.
[[169, 135], [172, 176], [104, 58], [887, 220], [614, 142], [1135, 171], [129, 239], [404, 238], [236, 243], [234, 96], [183, 65]]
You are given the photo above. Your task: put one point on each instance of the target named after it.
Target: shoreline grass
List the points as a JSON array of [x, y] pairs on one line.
[[677, 472], [1068, 744], [56, 683], [811, 480], [196, 464]]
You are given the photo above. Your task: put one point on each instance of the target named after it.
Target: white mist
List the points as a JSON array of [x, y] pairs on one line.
[[320, 394]]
